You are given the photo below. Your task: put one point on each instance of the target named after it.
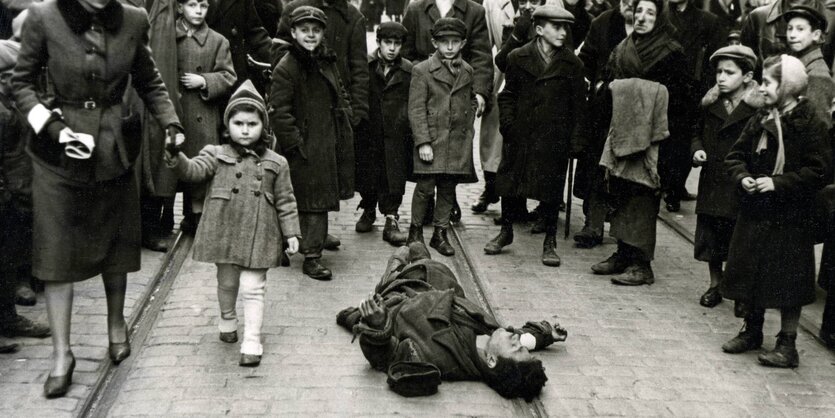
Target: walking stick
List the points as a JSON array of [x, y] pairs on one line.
[[570, 196]]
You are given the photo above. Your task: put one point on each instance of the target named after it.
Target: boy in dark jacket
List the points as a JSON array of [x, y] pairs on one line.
[[15, 207], [726, 110], [543, 98], [310, 113], [383, 141], [442, 109]]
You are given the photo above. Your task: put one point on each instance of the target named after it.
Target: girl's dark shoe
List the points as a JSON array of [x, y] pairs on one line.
[[119, 351], [57, 386], [415, 234], [549, 251], [314, 269], [229, 337], [502, 240], [615, 264], [784, 354], [750, 337], [249, 360], [711, 298], [392, 233], [440, 242], [366, 221]]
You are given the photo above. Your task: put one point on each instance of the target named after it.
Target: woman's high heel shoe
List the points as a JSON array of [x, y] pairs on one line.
[[119, 351], [57, 386]]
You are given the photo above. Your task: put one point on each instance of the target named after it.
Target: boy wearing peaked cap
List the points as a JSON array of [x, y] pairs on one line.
[[442, 109], [383, 142], [805, 26], [311, 113], [539, 110]]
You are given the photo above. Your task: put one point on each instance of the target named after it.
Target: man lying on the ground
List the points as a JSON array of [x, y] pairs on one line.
[[419, 328]]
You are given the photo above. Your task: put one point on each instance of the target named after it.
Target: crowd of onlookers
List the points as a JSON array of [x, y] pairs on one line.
[[267, 114]]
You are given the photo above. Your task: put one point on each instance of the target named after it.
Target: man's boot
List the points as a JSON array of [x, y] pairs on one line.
[[392, 233], [488, 196], [314, 269], [366, 221], [784, 354], [500, 241], [615, 264], [440, 242], [549, 250], [637, 274], [415, 234], [750, 337]]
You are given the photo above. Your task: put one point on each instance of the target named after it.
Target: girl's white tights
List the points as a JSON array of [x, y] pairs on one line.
[[252, 284]]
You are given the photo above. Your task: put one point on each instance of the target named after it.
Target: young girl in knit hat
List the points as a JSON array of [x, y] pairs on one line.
[[249, 209], [782, 158]]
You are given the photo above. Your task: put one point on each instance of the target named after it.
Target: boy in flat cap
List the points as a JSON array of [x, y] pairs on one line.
[[442, 108], [310, 114], [542, 101], [726, 109], [805, 26], [383, 142]]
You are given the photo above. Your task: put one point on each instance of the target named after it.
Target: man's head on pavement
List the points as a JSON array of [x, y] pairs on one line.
[[512, 371]]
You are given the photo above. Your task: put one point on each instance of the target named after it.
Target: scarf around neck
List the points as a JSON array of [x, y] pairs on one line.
[[636, 54]]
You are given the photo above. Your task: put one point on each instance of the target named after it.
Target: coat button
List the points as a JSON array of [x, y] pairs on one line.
[[259, 177], [200, 118], [234, 31], [240, 159], [235, 190], [200, 68], [257, 193], [238, 175]]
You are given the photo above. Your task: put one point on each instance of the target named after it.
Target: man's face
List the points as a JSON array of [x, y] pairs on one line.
[[506, 344], [553, 33], [308, 34], [528, 6], [389, 48], [626, 10], [449, 46]]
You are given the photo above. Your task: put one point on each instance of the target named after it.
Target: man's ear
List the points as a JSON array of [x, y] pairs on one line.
[[491, 360]]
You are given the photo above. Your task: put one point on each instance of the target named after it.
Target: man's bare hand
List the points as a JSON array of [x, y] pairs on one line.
[[373, 311]]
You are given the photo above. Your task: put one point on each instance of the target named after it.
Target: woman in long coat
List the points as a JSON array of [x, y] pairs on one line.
[[86, 218]]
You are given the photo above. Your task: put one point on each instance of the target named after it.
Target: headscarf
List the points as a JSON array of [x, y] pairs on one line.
[[639, 52]]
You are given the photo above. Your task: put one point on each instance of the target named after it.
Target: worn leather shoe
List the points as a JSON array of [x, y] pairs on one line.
[[750, 337], [23, 327], [392, 233], [505, 238], [314, 269], [57, 386], [615, 264], [549, 251], [331, 243], [24, 295], [784, 354], [587, 238], [440, 242], [366, 221], [636, 275], [229, 337], [711, 298], [249, 360], [119, 351]]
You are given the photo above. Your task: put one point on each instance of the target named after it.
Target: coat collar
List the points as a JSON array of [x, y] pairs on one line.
[[751, 101], [530, 61], [808, 58], [79, 19], [402, 67], [200, 35], [432, 9], [441, 73]]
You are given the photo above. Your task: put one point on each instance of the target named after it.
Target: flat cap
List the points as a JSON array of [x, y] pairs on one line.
[[737, 52], [388, 30], [305, 13], [449, 26], [553, 13], [813, 13]]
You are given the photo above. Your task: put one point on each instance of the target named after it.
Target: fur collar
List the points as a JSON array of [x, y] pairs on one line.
[[751, 97], [310, 60], [79, 19]]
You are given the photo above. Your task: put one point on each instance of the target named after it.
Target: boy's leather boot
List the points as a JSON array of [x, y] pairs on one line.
[[366, 221], [314, 269], [500, 241], [784, 354], [415, 234], [440, 242], [750, 337], [392, 233], [549, 250]]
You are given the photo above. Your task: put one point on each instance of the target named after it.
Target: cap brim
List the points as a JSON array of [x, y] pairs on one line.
[[309, 19], [448, 33]]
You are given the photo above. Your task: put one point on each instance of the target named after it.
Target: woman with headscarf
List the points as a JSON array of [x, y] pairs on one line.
[[647, 58], [85, 193]]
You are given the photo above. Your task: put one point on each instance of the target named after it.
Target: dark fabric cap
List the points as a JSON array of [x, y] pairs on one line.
[[389, 30], [303, 13], [553, 13], [449, 26], [813, 13], [414, 378], [738, 52]]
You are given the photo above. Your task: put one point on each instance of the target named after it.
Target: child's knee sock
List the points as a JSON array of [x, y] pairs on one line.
[[789, 319], [253, 288], [227, 296]]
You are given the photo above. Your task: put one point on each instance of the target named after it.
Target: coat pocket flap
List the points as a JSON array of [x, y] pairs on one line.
[[225, 194]]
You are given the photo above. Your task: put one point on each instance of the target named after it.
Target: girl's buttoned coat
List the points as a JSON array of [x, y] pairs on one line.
[[539, 110], [249, 209], [771, 262], [205, 53]]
